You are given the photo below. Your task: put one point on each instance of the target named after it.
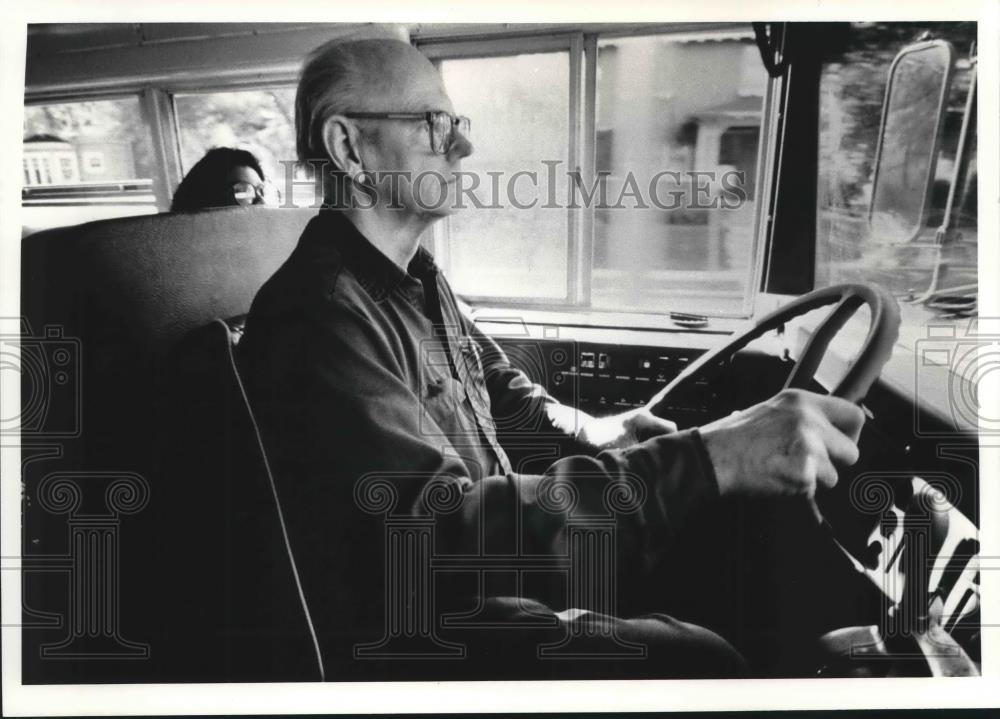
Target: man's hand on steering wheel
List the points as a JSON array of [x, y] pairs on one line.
[[622, 430], [786, 446], [791, 443]]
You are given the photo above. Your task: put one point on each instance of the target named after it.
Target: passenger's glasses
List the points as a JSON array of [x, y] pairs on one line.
[[246, 193]]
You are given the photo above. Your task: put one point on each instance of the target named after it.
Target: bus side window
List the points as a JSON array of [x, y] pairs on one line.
[[85, 161]]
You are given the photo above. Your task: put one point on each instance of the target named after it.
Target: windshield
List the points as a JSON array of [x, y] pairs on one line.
[[928, 260], [932, 271]]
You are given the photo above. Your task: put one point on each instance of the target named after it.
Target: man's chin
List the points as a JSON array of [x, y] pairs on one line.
[[438, 213], [441, 206]]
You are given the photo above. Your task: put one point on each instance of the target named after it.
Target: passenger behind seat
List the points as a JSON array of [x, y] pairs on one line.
[[223, 177]]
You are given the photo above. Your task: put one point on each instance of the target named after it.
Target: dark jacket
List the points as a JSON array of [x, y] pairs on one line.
[[378, 403]]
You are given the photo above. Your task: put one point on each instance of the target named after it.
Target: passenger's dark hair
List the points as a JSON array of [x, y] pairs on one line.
[[206, 184]]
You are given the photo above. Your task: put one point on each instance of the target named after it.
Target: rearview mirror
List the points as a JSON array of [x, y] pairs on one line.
[[912, 116]]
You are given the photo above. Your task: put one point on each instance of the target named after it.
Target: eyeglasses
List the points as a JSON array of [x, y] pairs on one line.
[[442, 125], [246, 193]]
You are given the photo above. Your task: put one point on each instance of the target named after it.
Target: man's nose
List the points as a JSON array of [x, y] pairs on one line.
[[460, 147]]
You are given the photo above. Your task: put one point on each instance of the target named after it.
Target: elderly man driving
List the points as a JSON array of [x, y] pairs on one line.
[[364, 373]]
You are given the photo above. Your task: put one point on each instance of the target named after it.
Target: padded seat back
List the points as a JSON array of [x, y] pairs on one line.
[[122, 294], [155, 277], [125, 290]]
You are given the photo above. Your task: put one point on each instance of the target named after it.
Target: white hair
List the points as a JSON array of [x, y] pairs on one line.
[[338, 77]]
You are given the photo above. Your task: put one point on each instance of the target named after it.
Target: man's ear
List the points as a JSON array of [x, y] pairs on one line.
[[341, 140]]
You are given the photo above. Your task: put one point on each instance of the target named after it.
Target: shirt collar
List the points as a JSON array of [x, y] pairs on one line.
[[370, 266]]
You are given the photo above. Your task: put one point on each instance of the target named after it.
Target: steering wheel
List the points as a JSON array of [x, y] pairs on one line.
[[882, 335], [864, 370]]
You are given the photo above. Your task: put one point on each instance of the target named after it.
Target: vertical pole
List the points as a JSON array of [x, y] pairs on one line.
[[158, 109]]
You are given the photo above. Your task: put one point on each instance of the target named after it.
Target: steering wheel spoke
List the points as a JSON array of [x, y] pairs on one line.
[[804, 371]]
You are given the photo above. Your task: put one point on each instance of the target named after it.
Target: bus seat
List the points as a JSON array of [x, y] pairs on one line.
[[123, 295], [122, 291], [227, 574]]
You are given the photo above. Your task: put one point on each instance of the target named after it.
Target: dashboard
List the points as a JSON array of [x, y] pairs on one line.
[[897, 467], [601, 378]]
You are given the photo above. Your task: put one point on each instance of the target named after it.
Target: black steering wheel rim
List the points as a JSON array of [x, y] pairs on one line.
[[883, 331]]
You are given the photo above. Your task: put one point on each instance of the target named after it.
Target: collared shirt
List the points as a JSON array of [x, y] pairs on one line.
[[379, 402], [445, 352]]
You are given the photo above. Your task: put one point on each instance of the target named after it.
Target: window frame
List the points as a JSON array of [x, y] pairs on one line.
[[157, 102], [576, 150], [149, 111], [582, 46]]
